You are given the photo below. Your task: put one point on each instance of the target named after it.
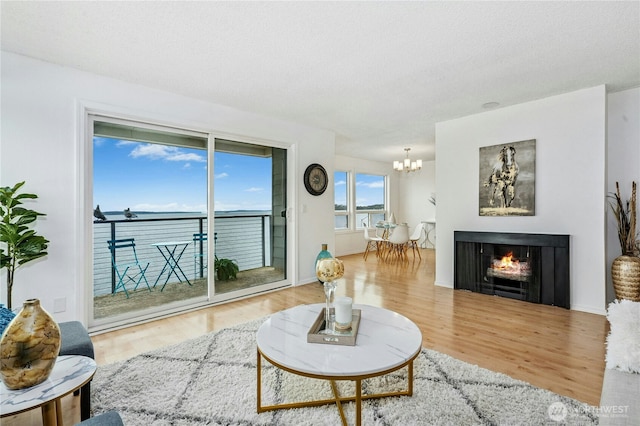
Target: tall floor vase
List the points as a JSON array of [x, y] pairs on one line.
[[625, 275], [29, 347]]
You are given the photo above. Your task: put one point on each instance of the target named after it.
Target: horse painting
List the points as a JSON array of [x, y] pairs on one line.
[[502, 181]]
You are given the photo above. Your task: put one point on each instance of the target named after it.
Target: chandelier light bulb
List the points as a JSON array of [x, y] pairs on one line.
[[407, 165]]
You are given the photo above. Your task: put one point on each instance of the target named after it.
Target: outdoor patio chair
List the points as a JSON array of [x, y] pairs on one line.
[[199, 254], [126, 265]]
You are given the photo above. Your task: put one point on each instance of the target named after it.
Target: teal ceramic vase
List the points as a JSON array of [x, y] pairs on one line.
[[324, 254]]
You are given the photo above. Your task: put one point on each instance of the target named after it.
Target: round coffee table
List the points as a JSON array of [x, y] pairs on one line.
[[71, 372], [386, 342]]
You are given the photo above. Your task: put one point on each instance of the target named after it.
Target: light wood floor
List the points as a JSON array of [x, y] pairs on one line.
[[549, 347]]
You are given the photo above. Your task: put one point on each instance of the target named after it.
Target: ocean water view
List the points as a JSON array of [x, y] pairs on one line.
[[239, 235]]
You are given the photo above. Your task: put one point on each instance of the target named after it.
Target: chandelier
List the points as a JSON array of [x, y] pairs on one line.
[[407, 165]]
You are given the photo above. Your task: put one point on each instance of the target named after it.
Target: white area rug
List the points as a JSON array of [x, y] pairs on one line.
[[211, 380]]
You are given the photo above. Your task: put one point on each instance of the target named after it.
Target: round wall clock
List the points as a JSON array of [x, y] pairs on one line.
[[315, 179]]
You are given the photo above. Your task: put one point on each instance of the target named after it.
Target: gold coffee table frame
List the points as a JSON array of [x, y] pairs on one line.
[[338, 400]]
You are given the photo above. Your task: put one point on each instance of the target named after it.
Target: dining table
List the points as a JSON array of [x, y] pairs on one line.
[[386, 228]]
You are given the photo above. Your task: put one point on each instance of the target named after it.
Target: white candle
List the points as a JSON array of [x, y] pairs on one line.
[[343, 307]]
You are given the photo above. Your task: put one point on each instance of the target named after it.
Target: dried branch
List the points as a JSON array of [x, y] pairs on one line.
[[626, 220]]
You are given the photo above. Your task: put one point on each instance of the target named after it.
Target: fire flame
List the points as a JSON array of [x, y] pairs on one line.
[[510, 266], [507, 262]]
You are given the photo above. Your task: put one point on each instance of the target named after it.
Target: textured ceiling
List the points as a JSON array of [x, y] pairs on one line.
[[378, 74]]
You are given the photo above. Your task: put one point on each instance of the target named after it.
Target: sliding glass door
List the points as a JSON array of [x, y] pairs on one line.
[[250, 218], [149, 200], [159, 244]]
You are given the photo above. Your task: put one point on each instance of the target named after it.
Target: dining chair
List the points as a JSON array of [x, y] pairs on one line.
[[414, 238], [372, 243], [398, 242], [126, 264]]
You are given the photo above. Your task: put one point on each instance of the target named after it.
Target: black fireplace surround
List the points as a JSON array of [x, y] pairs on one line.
[[529, 267]]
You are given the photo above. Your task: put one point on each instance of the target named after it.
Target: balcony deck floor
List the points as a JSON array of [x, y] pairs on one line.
[[110, 305]]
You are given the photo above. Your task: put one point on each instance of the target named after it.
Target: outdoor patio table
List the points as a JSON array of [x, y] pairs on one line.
[[172, 252]]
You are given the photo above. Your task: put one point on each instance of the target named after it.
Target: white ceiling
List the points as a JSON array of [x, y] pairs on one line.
[[378, 74]]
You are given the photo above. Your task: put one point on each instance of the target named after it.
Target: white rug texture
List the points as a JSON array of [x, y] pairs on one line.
[[211, 380], [623, 341]]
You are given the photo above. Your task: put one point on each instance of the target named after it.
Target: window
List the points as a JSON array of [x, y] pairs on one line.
[[370, 199], [341, 192], [360, 200]]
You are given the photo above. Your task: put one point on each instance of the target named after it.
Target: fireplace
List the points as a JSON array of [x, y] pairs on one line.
[[530, 267]]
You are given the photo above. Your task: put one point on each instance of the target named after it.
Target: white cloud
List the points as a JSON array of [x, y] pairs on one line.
[[164, 152], [221, 175], [340, 183], [254, 189], [376, 184], [99, 141]]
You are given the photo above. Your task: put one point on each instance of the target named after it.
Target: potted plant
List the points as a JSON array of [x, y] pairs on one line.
[[20, 244], [625, 269], [226, 269]]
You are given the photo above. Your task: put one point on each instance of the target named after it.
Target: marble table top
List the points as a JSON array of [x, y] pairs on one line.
[[69, 373], [386, 340]]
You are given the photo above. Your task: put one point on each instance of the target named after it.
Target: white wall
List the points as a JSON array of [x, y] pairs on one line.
[[570, 182], [40, 143], [623, 160], [414, 191]]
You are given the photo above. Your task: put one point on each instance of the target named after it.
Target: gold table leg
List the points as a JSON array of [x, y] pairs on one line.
[[259, 390], [358, 402], [338, 400], [59, 420], [336, 393], [49, 416]]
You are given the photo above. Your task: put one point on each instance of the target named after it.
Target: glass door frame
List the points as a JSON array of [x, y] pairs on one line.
[[86, 110], [290, 258]]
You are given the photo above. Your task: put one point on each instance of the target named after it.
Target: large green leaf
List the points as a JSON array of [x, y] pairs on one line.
[[18, 243]]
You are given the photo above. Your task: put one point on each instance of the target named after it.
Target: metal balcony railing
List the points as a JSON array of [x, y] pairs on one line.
[[243, 238]]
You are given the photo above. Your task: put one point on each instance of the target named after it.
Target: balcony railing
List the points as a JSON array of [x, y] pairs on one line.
[[243, 238]]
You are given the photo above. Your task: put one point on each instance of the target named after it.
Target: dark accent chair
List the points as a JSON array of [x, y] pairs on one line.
[[75, 340], [110, 418]]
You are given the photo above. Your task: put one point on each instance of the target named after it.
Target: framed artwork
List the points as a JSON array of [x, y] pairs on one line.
[[508, 179]]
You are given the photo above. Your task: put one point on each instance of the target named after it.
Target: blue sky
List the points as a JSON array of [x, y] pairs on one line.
[[154, 177], [161, 178], [369, 189]]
